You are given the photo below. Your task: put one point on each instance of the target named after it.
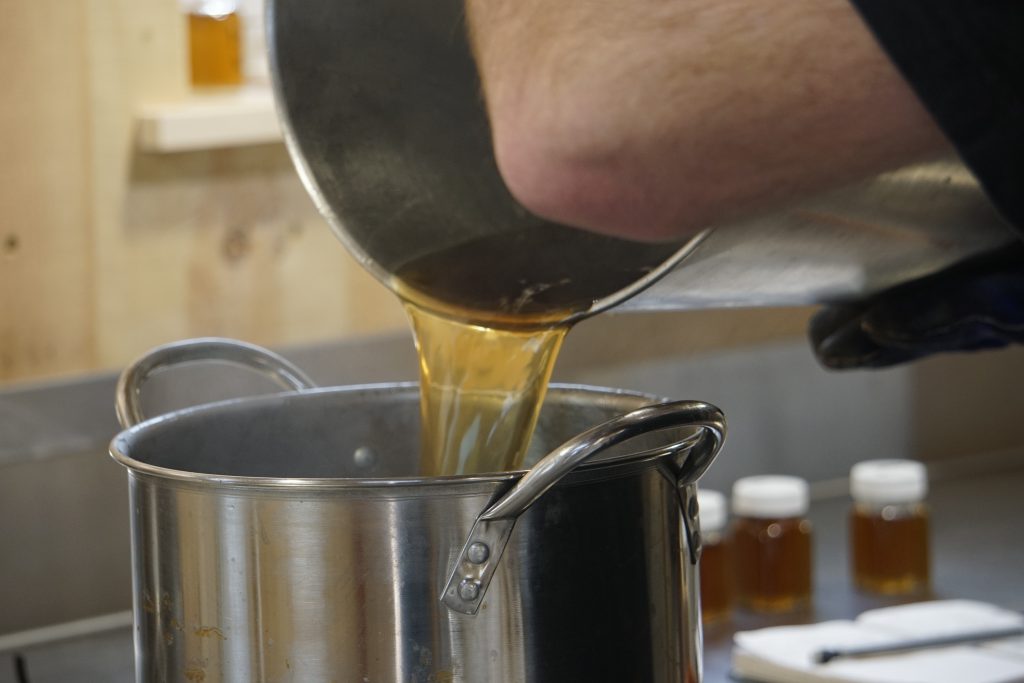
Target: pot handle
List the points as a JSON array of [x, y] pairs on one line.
[[273, 366], [691, 456]]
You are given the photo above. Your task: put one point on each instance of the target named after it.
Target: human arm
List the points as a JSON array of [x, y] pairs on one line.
[[652, 119]]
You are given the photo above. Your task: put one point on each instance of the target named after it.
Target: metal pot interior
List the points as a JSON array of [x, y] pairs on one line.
[[350, 433]]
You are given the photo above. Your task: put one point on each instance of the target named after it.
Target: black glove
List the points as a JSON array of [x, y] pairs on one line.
[[978, 304]]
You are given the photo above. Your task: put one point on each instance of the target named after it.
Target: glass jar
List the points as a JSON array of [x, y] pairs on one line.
[[889, 527], [715, 568], [771, 543], [214, 34]]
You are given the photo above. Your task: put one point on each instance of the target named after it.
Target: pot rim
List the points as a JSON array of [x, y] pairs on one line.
[[120, 445]]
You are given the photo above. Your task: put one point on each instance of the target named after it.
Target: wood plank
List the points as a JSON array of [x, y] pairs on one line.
[[967, 404], [107, 250], [219, 242], [46, 275]]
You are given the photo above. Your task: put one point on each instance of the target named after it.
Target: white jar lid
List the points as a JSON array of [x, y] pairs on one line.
[[713, 512], [770, 497], [212, 8], [888, 482]]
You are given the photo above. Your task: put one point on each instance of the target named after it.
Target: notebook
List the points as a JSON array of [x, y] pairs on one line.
[[787, 654]]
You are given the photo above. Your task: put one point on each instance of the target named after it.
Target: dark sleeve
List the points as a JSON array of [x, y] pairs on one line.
[[965, 60]]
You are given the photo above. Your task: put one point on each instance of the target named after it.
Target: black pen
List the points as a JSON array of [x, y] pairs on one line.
[[829, 654]]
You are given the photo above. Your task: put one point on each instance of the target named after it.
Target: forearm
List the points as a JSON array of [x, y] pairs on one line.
[[656, 118]]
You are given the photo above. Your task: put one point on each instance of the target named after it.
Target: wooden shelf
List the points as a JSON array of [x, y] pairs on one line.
[[210, 119]]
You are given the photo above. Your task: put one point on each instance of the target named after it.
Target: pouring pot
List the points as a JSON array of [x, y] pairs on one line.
[[383, 116], [287, 538]]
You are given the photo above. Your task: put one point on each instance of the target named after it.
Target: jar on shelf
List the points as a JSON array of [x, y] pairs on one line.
[[771, 543], [215, 42], [889, 545]]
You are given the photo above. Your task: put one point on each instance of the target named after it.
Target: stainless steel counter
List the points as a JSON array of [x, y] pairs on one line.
[[65, 500], [104, 656], [65, 527], [977, 553]]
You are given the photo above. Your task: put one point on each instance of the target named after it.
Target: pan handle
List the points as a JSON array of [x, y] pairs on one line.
[[691, 456], [273, 366]]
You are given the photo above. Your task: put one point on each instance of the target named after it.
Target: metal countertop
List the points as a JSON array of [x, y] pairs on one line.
[[977, 553]]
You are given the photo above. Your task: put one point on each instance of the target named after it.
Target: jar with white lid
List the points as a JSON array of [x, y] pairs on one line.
[[214, 32], [889, 545], [771, 543], [715, 566]]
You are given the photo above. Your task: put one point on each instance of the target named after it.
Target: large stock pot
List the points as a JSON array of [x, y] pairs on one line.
[[288, 538]]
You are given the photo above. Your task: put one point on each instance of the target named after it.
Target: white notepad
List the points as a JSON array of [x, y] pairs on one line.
[[786, 654]]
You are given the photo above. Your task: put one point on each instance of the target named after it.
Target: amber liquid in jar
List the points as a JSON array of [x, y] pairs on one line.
[[214, 47], [890, 548], [772, 561], [715, 579]]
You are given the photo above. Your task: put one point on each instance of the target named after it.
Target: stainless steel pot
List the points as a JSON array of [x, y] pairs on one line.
[[381, 107], [287, 538]]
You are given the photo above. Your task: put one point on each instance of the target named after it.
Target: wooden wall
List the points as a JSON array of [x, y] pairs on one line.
[[105, 251], [968, 403], [46, 287]]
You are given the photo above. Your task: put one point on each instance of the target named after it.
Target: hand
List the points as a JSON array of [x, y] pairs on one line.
[[975, 305]]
